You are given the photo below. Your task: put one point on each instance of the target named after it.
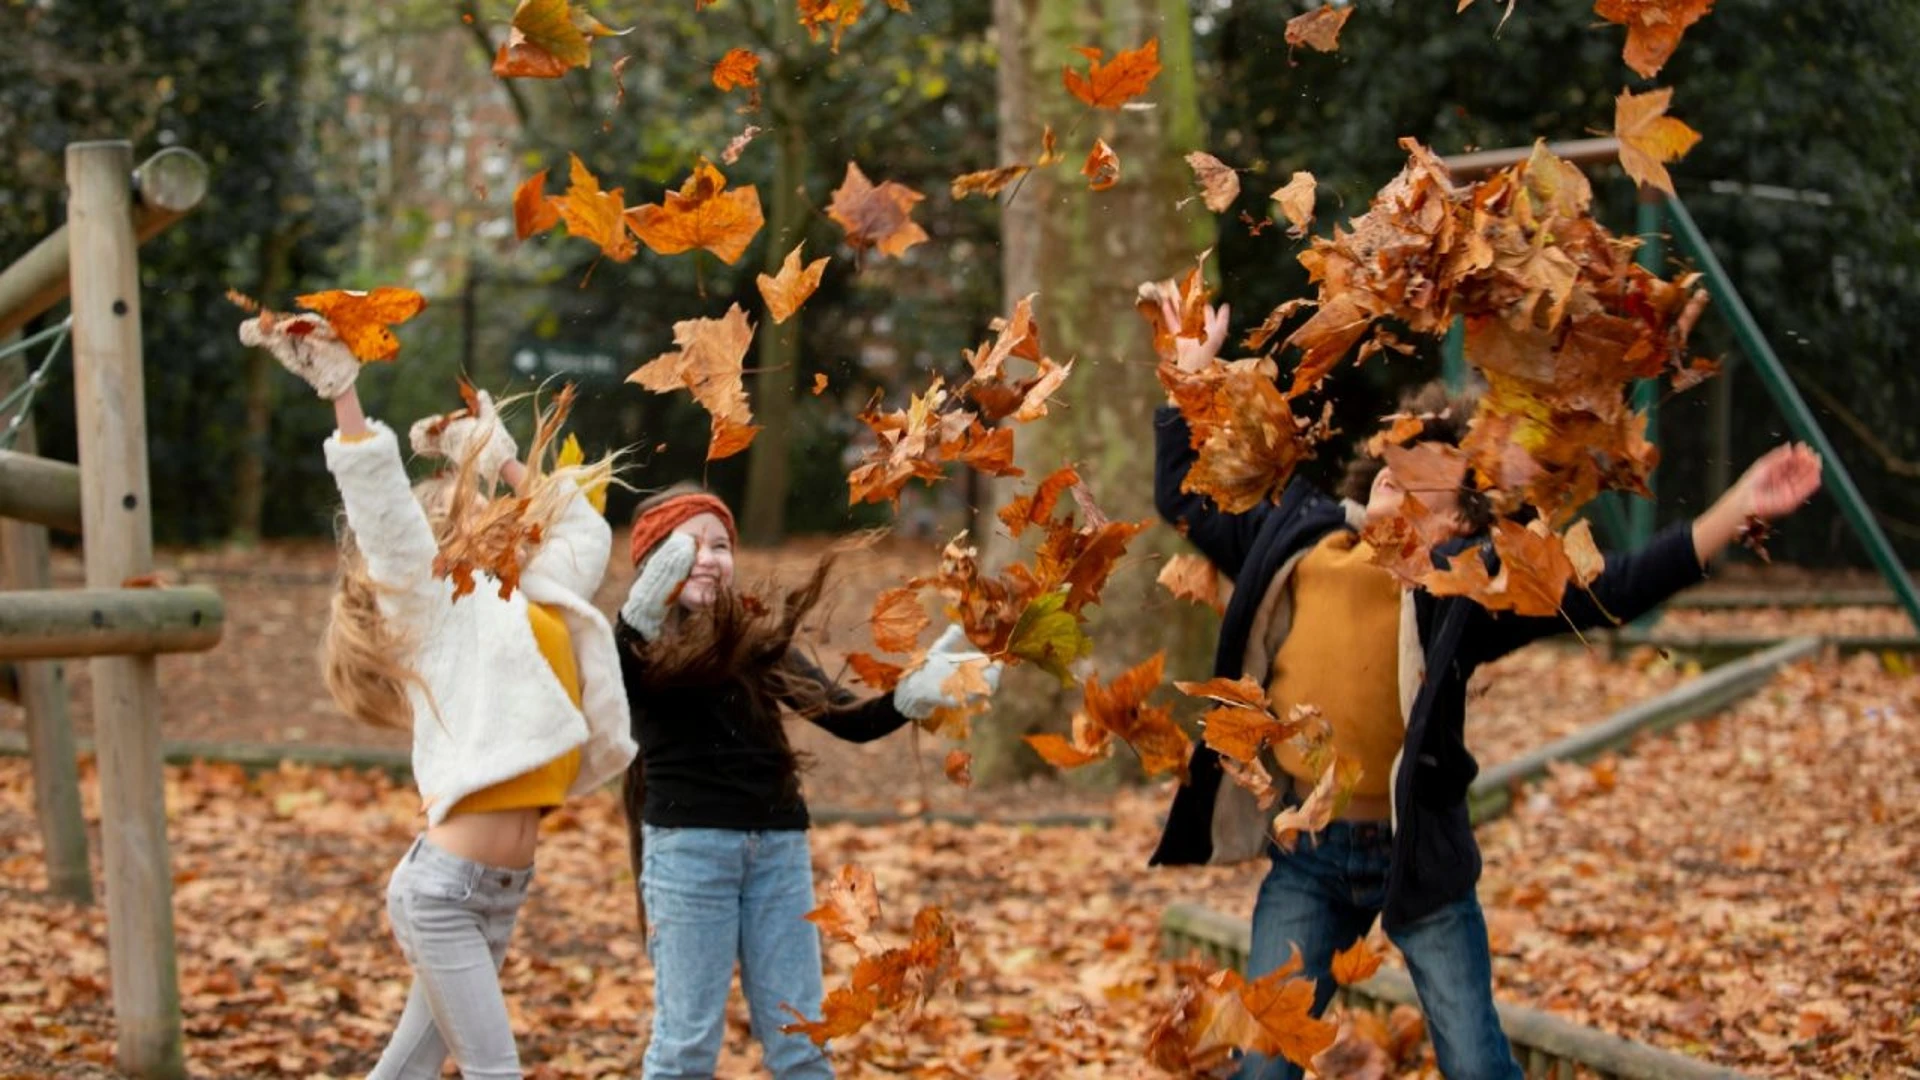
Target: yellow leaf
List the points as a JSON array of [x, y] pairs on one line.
[[1649, 138]]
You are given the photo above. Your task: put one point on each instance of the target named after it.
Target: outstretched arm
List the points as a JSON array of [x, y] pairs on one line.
[[1776, 485]]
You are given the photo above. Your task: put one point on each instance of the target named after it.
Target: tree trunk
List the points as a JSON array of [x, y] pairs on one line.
[[257, 382], [1085, 253], [764, 518]]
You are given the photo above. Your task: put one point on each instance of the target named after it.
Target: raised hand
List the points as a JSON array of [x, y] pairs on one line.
[[660, 577], [1191, 355], [480, 436], [1781, 481], [307, 346]]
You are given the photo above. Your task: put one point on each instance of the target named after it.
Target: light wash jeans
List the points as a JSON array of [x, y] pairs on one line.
[[1325, 894], [715, 896], [453, 919]]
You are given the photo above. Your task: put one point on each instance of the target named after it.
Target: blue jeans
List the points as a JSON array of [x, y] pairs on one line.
[[715, 896], [453, 918], [1324, 896]]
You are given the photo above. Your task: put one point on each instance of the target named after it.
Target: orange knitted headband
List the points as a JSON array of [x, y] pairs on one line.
[[658, 521]]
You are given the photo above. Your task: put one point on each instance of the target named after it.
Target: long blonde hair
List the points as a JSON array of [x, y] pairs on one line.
[[366, 660]]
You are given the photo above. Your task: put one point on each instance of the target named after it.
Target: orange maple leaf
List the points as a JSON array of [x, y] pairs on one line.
[[1218, 1013], [850, 906], [1193, 578], [843, 1012], [1037, 508], [740, 67], [709, 364], [1320, 29], [702, 214], [362, 320], [897, 619], [959, 767], [876, 673], [548, 39], [1649, 138], [819, 383], [1112, 84], [786, 291], [1102, 167], [1120, 709], [1654, 28], [879, 217], [594, 214], [1355, 964], [838, 14], [533, 211], [1330, 792]]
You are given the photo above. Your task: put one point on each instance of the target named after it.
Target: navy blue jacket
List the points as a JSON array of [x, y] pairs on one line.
[[1435, 858]]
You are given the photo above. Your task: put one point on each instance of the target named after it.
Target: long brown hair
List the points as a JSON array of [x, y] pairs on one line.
[[366, 660]]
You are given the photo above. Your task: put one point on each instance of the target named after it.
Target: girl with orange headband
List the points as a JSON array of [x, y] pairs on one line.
[[713, 802]]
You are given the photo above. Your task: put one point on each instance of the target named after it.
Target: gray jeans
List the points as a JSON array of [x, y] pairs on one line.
[[453, 919]]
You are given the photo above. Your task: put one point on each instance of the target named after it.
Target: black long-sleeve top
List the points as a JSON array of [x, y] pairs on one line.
[[708, 760]]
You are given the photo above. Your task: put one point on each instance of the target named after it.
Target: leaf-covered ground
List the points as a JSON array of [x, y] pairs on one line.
[[1789, 621], [1741, 889]]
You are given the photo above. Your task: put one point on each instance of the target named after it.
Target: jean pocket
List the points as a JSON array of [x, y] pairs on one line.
[[447, 888]]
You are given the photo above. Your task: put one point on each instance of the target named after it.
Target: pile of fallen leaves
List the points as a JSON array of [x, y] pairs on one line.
[[1786, 622], [1643, 894]]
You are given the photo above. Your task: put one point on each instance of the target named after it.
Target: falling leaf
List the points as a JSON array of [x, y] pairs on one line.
[[1037, 507], [1192, 578], [849, 907], [843, 1012], [1112, 84], [1119, 708], [876, 673], [787, 290], [987, 182], [959, 767], [1049, 637], [738, 143], [876, 217], [533, 212], [897, 619], [708, 363], [1318, 30], [740, 67], [1249, 445], [838, 14], [571, 455], [819, 382], [1654, 28], [363, 320], [1355, 963], [1102, 167], [1583, 553], [1050, 153], [1061, 754], [702, 214], [1296, 201], [548, 39], [595, 215], [1218, 181], [1220, 1013], [1337, 780], [1649, 138]]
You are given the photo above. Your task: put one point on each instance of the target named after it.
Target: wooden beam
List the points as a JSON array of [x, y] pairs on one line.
[[39, 490], [111, 419], [1479, 163], [167, 185], [66, 623], [24, 564]]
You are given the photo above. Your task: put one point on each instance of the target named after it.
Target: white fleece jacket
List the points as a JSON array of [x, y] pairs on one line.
[[502, 711]]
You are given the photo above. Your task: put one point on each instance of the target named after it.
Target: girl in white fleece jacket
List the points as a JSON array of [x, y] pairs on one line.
[[515, 701]]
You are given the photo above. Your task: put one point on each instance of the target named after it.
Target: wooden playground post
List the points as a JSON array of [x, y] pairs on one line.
[[117, 525], [43, 696]]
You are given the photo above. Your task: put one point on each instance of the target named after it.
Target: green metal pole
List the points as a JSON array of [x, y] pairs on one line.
[[1774, 375], [1650, 223], [1453, 356]]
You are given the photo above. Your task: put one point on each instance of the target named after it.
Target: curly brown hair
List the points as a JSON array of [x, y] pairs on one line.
[[1446, 415]]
